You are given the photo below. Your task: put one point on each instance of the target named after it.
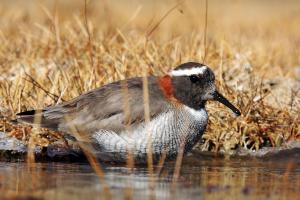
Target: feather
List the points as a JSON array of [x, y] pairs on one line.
[[101, 108]]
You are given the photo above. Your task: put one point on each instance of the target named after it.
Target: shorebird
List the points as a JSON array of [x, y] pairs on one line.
[[177, 114]]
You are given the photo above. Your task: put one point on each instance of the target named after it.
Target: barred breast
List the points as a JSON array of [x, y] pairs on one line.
[[168, 132]]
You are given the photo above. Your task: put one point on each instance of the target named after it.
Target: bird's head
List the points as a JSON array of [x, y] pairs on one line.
[[193, 84]]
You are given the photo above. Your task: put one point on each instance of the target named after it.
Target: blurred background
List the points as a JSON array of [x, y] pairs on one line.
[[263, 31]]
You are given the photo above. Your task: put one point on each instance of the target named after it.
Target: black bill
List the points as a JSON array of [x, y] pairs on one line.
[[218, 97]]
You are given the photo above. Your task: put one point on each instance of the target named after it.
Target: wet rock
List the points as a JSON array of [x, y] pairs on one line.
[[13, 146], [287, 150]]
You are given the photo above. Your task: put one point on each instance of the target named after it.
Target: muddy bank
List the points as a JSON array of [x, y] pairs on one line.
[[14, 149]]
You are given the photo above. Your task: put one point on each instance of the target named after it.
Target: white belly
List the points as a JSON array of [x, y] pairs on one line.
[[167, 133]]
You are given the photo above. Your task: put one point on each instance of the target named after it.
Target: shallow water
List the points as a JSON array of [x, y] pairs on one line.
[[201, 177]]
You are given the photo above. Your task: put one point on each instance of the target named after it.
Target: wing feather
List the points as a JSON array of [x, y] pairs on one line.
[[103, 108]]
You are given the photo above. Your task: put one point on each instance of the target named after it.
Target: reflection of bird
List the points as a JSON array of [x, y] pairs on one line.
[[176, 108]]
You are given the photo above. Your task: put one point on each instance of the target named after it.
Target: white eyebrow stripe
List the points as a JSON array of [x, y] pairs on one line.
[[188, 72]]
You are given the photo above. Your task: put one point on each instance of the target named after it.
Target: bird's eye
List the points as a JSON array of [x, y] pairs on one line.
[[194, 78]]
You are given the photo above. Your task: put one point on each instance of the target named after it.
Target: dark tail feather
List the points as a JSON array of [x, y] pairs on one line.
[[30, 112], [36, 117]]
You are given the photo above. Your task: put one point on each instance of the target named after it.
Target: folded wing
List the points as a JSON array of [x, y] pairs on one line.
[[111, 107]]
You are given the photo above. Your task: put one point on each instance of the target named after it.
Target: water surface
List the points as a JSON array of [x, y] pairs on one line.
[[201, 177]]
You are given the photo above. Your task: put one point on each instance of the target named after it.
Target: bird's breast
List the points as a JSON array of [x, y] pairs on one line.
[[168, 132]]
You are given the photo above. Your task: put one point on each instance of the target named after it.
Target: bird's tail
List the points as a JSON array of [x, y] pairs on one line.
[[36, 117]]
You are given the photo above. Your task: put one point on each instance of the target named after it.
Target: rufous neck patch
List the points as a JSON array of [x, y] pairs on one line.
[[165, 84]]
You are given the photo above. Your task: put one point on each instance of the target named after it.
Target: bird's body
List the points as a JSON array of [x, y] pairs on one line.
[[113, 118]]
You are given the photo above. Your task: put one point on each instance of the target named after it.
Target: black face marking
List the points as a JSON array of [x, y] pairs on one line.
[[195, 89], [194, 79]]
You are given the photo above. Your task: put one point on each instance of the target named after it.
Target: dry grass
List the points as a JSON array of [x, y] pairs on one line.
[[52, 51]]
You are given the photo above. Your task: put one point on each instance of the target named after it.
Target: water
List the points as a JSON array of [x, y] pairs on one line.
[[201, 177]]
